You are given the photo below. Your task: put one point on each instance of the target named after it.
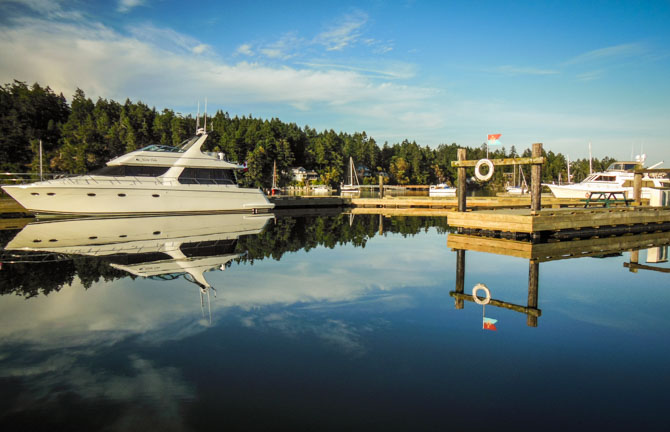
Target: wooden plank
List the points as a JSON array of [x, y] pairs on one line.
[[543, 252], [499, 303], [636, 266], [490, 245], [385, 211], [500, 162]]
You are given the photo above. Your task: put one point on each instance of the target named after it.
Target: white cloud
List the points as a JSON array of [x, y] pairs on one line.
[[245, 49], [613, 52], [127, 5], [284, 48], [343, 34], [516, 70], [167, 39], [161, 66]]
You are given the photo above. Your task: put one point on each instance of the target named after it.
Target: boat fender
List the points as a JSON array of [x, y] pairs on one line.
[[478, 174], [486, 299]]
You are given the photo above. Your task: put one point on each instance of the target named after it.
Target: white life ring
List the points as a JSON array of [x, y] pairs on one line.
[[489, 174], [483, 287]]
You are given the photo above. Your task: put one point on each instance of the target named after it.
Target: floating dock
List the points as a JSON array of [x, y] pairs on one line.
[[562, 223]]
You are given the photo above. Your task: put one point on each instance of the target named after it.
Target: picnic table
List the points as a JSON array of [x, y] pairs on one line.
[[607, 198]]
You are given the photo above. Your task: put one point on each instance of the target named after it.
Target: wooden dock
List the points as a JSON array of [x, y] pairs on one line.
[[558, 250], [295, 202], [563, 223]]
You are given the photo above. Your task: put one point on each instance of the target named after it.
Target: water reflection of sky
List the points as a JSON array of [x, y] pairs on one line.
[[345, 338]]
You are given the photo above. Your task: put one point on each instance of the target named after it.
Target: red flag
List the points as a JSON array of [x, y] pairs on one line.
[[489, 324], [493, 137]]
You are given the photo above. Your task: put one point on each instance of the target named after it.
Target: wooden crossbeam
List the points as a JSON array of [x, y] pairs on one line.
[[500, 162], [646, 267], [498, 303]]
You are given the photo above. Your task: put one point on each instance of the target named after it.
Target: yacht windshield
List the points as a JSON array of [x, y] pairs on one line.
[[186, 144], [161, 148], [622, 166]]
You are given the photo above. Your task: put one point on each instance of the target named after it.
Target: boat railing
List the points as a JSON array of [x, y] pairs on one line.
[[78, 179], [23, 178]]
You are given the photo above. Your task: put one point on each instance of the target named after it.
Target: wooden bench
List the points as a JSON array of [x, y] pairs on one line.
[[607, 198]]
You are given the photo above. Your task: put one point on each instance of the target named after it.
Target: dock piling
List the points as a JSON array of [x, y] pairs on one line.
[[461, 181], [536, 181]]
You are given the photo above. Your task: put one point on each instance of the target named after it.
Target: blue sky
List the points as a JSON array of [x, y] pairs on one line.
[[563, 73]]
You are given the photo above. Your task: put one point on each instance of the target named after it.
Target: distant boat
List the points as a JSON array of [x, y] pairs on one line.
[[441, 190], [320, 189], [518, 189], [618, 177], [352, 187]]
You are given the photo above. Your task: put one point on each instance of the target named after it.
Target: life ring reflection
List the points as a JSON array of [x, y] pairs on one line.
[[487, 293], [478, 166]]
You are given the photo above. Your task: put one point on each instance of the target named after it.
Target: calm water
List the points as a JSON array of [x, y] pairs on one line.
[[318, 323]]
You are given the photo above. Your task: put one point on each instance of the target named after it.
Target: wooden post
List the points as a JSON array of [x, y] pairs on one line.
[[536, 182], [634, 259], [637, 189], [460, 276], [533, 285], [381, 224], [381, 186], [461, 182]]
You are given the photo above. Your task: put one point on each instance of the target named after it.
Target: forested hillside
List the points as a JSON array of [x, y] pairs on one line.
[[82, 135]]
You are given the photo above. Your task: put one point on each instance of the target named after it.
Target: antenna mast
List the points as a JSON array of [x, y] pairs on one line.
[[197, 119], [205, 114]]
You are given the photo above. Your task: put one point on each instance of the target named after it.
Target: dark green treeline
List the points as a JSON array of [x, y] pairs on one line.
[[83, 135]]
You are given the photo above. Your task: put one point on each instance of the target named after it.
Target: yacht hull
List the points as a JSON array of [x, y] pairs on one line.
[[119, 198], [580, 192]]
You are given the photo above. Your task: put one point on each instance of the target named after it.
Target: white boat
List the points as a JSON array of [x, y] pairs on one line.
[[617, 178], [153, 180], [320, 189], [518, 189], [441, 190], [352, 186], [148, 245], [157, 247]]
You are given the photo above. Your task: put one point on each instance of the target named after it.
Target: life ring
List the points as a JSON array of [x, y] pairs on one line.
[[489, 174], [483, 287]]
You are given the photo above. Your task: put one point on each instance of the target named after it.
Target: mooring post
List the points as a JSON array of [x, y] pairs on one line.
[[637, 188], [634, 259], [460, 277], [533, 286], [381, 186], [536, 181], [461, 181]]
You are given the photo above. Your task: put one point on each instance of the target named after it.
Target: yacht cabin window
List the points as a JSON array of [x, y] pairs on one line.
[[207, 176], [131, 171]]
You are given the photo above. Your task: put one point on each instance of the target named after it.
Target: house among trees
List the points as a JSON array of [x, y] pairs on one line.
[[301, 175]]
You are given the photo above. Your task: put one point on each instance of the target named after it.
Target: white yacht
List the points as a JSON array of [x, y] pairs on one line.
[[617, 178], [153, 180], [146, 246]]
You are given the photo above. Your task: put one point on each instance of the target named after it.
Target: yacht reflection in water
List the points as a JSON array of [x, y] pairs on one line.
[[156, 247], [655, 243]]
